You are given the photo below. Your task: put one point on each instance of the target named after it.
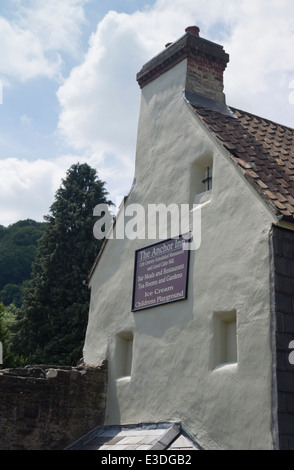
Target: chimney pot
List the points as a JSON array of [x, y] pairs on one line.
[[193, 30]]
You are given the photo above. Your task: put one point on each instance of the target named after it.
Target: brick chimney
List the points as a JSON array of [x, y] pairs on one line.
[[206, 63]]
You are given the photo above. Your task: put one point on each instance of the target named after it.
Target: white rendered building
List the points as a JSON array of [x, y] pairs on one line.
[[213, 353]]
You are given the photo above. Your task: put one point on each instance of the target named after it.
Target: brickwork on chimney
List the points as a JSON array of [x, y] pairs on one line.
[[205, 77], [206, 63]]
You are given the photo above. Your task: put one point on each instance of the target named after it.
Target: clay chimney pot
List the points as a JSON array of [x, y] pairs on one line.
[[193, 30]]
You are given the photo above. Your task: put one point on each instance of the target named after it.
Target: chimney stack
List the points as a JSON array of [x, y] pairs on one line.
[[206, 63]]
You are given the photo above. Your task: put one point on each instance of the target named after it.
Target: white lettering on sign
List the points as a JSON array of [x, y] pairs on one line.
[[291, 355]]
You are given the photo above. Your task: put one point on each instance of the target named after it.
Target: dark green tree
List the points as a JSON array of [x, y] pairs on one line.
[[54, 315], [13, 294], [3, 335], [6, 320], [18, 248]]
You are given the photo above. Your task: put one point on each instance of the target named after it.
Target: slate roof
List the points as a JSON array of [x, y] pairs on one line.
[[263, 150], [156, 436]]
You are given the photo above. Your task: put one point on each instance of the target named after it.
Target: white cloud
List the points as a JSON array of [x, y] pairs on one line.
[[32, 41], [27, 188], [100, 100], [260, 45], [57, 24], [21, 55]]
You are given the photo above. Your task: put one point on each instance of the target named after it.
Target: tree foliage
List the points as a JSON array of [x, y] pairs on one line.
[[7, 319], [51, 326], [18, 248], [3, 332]]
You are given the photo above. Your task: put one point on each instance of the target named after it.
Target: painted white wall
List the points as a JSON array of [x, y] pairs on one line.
[[173, 370]]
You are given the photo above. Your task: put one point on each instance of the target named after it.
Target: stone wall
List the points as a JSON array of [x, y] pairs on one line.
[[48, 408]]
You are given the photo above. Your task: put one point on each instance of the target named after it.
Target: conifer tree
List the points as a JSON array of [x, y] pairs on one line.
[[54, 314]]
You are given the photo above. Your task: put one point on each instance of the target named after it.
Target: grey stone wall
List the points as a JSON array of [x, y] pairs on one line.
[[283, 251], [48, 408]]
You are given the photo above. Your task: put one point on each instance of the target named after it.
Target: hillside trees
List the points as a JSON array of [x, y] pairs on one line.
[[18, 248], [51, 326], [7, 319]]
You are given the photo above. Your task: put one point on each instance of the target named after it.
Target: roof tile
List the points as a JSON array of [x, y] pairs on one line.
[[262, 148]]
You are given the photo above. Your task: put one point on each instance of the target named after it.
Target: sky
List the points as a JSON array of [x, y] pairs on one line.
[[68, 89]]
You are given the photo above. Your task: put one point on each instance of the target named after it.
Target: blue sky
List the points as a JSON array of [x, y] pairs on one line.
[[68, 79]]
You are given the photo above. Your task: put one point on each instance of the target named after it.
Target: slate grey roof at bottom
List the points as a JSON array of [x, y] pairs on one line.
[[159, 436]]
